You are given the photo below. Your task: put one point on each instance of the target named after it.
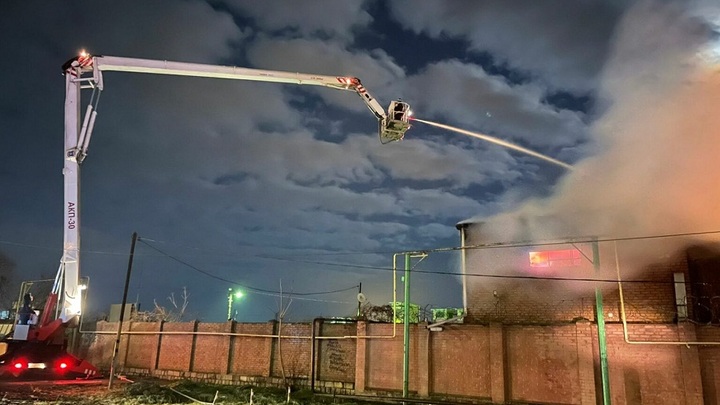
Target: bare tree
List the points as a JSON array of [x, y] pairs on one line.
[[375, 313], [161, 313], [282, 311]]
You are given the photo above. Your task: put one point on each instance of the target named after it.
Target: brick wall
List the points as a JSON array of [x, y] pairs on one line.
[[291, 355], [139, 351], [542, 364], [211, 352], [508, 301], [251, 355], [176, 350], [460, 361], [651, 374], [651, 299], [710, 363], [552, 364], [518, 292], [384, 365], [336, 357], [100, 346]]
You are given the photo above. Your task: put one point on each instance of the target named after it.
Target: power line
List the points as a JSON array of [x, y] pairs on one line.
[[437, 250], [253, 289], [485, 275], [556, 242], [204, 251], [495, 245], [449, 273]]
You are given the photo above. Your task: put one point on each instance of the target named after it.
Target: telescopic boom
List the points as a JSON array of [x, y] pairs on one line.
[[86, 72]]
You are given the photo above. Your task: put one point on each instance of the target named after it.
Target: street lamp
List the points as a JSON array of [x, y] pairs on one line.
[[232, 294]]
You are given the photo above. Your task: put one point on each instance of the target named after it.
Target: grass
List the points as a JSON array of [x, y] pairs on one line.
[[155, 391]]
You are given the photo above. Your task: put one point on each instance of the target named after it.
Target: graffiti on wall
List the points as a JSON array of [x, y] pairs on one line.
[[337, 357]]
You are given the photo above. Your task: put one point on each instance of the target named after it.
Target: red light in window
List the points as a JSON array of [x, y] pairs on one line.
[[555, 258], [539, 259]]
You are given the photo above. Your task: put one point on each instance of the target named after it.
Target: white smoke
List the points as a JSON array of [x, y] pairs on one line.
[[658, 165], [657, 169]]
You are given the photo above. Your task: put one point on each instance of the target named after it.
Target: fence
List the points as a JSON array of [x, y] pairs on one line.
[[496, 363]]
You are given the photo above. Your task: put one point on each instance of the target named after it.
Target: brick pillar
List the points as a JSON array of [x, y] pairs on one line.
[[690, 365], [497, 363], [422, 381], [360, 357], [586, 366], [232, 340], [156, 349], [124, 345], [225, 348], [191, 365], [270, 346], [711, 389]]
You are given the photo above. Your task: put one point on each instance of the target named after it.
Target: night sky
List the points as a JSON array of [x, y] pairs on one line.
[[263, 187]]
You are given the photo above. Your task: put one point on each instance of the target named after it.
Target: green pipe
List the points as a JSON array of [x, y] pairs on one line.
[[406, 328], [602, 342]]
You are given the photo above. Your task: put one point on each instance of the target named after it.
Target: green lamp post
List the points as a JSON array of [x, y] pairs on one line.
[[232, 294]]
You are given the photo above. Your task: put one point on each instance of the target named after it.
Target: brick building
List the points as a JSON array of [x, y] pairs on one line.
[[662, 318]]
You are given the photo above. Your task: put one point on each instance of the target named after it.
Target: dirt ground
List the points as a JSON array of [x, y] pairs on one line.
[[147, 391], [61, 392]]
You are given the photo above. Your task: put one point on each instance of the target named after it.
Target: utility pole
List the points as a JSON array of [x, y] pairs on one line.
[[122, 310]]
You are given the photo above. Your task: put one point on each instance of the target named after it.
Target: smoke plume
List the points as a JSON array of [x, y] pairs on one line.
[[657, 167], [656, 170]]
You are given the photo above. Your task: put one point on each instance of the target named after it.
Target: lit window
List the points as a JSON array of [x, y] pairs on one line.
[[555, 258]]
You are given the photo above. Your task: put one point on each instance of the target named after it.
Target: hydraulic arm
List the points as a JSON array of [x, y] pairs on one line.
[[86, 72]]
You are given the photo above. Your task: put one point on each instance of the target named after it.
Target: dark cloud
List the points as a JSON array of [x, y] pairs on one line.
[[175, 30], [562, 43], [258, 182], [464, 93], [325, 18]]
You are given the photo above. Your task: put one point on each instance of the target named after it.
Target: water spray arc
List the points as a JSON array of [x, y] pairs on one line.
[[497, 142]]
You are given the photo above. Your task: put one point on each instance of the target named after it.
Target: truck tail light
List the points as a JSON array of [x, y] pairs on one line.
[[63, 365]]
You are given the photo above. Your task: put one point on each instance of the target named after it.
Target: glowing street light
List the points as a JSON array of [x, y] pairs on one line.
[[232, 294]]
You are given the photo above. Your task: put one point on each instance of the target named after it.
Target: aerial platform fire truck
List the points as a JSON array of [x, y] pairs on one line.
[[41, 347]]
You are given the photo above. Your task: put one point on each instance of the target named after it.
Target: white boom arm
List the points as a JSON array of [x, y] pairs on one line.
[[86, 71]]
